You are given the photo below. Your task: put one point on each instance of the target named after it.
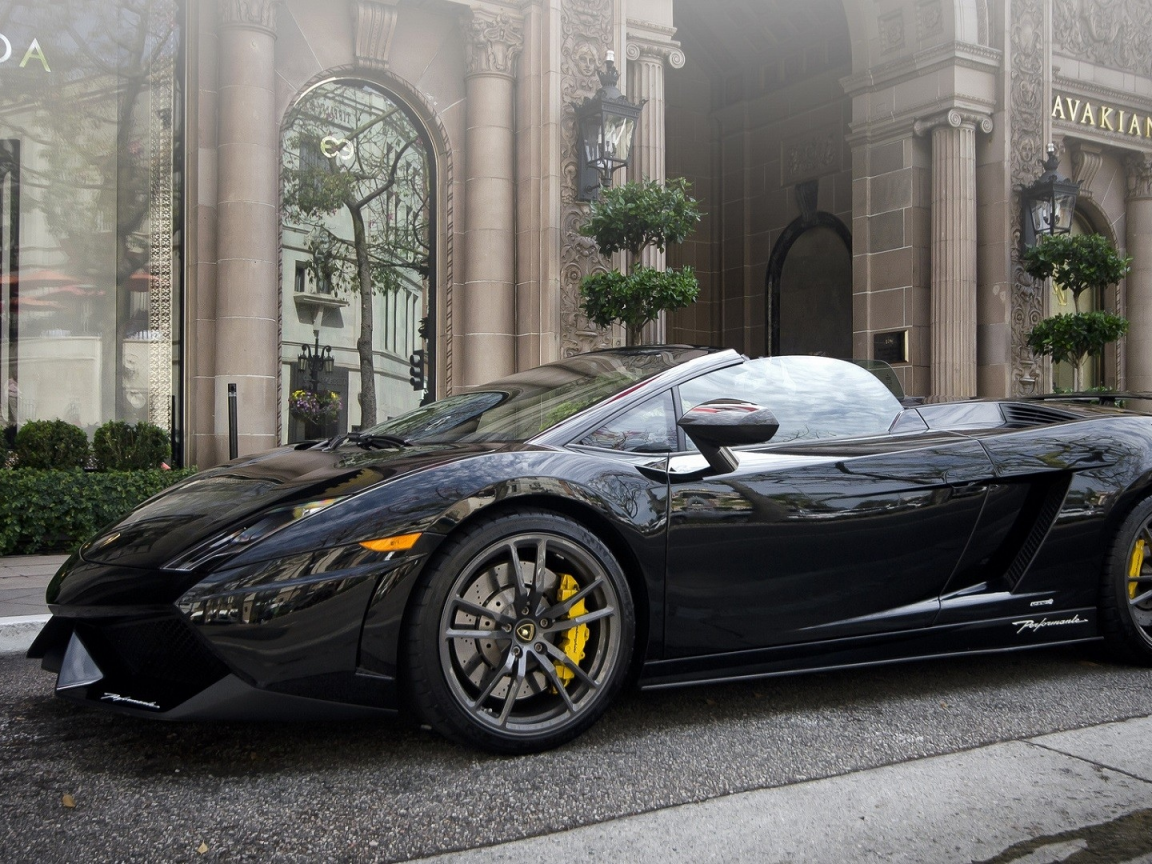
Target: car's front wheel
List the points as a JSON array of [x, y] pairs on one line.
[[1126, 589], [520, 633]]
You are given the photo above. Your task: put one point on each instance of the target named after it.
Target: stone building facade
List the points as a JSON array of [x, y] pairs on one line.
[[859, 163]]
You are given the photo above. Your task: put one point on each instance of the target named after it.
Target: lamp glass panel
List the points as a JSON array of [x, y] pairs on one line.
[[1041, 209], [1065, 207], [590, 135], [617, 137]]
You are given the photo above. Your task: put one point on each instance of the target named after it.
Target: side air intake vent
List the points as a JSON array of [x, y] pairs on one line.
[[1021, 416]]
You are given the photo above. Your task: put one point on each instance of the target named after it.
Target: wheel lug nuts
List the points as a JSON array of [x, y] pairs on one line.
[[539, 647], [507, 628], [515, 650], [543, 622], [525, 611]]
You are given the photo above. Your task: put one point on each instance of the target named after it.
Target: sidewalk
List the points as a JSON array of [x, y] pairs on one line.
[[1083, 795], [23, 579]]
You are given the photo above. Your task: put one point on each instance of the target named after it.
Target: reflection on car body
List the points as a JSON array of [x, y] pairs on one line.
[[499, 563]]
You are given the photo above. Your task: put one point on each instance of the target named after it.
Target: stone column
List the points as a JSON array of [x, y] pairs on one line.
[[953, 251], [1138, 284], [247, 332], [647, 54], [488, 299]]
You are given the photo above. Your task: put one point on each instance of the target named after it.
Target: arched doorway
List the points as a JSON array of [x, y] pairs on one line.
[[810, 289], [357, 228]]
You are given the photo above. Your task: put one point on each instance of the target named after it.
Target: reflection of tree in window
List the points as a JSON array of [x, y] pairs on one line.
[[350, 149], [647, 428], [101, 142]]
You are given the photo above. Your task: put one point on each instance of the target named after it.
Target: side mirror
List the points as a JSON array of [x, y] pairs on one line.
[[722, 423]]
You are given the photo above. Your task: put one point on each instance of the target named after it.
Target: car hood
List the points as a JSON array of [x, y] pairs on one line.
[[229, 497]]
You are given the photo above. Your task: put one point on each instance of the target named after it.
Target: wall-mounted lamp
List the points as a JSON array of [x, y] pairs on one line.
[[606, 124], [1049, 203]]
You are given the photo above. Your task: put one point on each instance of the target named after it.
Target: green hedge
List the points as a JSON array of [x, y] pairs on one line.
[[48, 444], [117, 446], [43, 511]]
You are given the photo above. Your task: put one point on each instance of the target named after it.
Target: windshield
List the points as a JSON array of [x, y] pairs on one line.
[[522, 406]]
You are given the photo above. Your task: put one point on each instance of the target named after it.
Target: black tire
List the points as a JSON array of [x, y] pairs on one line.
[[1126, 589], [528, 678]]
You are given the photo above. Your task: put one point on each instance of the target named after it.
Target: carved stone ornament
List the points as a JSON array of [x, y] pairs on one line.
[[257, 14], [929, 18], [891, 28], [586, 36], [811, 154], [375, 24], [647, 49], [1028, 108], [1113, 33], [955, 118], [1138, 170], [1086, 161], [493, 43]]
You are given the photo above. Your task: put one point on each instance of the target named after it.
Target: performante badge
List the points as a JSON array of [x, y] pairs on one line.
[[1032, 625], [128, 700]]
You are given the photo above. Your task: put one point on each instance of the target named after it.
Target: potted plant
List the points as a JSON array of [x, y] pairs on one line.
[[632, 217], [1081, 263], [315, 409]]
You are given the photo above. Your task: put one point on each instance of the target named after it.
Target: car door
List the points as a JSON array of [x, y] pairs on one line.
[[815, 537]]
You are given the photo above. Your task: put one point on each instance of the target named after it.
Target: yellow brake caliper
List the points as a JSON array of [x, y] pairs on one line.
[[1134, 567], [572, 641]]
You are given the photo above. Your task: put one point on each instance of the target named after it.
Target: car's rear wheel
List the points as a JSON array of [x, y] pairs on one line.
[[520, 633], [1126, 589]]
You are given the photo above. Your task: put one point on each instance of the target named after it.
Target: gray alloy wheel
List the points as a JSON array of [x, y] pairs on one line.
[[522, 634], [1126, 590]]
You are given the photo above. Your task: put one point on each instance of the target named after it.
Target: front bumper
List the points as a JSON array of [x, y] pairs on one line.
[[280, 640]]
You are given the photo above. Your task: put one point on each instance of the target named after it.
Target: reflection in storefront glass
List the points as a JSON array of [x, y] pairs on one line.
[[356, 253], [90, 178]]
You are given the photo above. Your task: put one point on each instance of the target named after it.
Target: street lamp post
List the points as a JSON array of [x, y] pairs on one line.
[[312, 359], [606, 124]]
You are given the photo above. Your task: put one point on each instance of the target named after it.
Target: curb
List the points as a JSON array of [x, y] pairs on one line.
[[17, 633]]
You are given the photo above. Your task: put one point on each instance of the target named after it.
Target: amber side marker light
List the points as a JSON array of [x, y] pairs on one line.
[[399, 543]]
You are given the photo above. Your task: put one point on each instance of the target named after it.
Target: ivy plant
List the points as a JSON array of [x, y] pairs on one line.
[[631, 218]]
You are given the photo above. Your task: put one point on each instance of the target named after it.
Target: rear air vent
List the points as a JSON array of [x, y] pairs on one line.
[[1046, 512], [1020, 416]]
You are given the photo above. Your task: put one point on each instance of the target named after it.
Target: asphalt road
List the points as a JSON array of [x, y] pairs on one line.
[[150, 791]]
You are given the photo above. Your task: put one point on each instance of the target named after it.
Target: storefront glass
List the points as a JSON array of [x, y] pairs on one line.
[[90, 192], [356, 260]]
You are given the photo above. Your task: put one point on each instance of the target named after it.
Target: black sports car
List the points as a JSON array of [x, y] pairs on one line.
[[501, 562]]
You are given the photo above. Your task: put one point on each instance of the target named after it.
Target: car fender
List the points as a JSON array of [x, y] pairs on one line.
[[625, 509]]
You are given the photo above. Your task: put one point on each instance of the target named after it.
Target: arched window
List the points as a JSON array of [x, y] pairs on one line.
[[810, 289], [356, 256]]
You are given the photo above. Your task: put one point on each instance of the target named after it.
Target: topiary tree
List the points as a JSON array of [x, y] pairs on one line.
[[1078, 263], [47, 444], [632, 217], [1072, 337]]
